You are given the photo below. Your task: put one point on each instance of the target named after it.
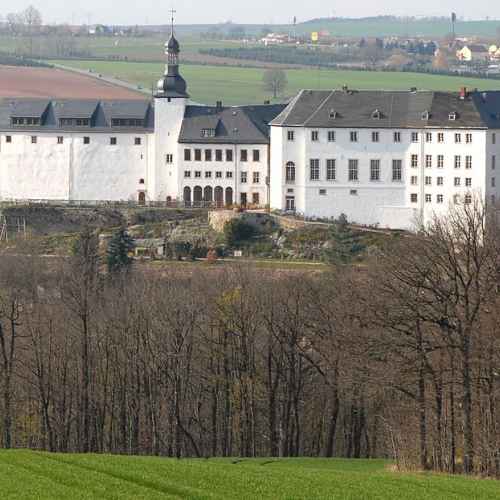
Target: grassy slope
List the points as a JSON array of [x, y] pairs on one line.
[[29, 475], [207, 84]]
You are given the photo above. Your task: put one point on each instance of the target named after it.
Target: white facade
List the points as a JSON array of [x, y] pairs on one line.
[[439, 167]]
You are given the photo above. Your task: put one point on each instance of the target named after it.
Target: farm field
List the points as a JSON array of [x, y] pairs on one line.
[[26, 475], [207, 84]]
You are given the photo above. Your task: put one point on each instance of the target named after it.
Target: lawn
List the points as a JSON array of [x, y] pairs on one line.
[[236, 85], [41, 476]]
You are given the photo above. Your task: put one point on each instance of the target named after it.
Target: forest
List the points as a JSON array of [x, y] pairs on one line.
[[396, 358]]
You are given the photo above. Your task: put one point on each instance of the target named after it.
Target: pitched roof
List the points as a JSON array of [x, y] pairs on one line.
[[232, 125], [390, 109], [100, 113]]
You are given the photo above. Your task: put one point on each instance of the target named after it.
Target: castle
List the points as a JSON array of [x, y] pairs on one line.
[[381, 158]]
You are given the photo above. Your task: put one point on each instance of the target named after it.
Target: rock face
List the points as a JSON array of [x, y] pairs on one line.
[[261, 221]]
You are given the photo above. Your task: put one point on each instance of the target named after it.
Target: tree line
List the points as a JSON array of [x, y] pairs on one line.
[[397, 358]]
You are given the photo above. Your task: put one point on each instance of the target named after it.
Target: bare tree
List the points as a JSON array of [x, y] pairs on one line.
[[275, 81]]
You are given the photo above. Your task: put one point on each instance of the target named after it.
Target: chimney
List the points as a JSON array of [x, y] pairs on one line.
[[463, 93], [267, 102], [345, 88], [219, 106]]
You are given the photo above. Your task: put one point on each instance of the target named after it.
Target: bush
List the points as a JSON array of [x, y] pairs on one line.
[[237, 231]]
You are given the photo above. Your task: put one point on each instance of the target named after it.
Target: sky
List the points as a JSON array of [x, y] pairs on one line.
[[249, 12]]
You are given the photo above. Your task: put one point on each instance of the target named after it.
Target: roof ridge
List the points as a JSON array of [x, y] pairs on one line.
[[285, 114], [320, 107]]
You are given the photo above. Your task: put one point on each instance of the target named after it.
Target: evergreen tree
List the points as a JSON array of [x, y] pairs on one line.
[[119, 248]]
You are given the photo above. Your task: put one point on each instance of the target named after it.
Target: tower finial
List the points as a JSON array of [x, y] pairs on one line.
[[173, 12]]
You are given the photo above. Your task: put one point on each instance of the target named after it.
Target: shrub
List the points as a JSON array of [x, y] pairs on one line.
[[237, 231]]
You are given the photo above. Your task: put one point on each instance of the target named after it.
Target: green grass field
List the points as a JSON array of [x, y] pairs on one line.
[[30, 475], [236, 85]]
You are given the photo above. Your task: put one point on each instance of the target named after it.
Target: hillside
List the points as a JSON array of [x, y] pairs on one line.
[[30, 475]]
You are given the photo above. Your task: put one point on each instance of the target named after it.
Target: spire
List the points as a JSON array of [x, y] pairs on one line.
[[172, 84]]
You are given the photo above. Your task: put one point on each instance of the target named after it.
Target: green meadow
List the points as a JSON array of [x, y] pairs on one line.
[[237, 85], [42, 476]]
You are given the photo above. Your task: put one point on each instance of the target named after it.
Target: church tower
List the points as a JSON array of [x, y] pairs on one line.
[[171, 99]]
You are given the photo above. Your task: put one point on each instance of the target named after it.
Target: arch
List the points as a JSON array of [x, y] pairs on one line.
[[290, 172], [187, 196], [219, 197], [197, 196], [229, 196], [142, 198], [208, 194]]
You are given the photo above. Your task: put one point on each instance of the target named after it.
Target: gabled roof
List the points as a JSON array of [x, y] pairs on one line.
[[396, 109], [233, 125]]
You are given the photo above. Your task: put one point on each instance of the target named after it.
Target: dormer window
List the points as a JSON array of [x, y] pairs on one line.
[[127, 122], [208, 132], [426, 115], [377, 114], [452, 116], [25, 122], [333, 114], [74, 122]]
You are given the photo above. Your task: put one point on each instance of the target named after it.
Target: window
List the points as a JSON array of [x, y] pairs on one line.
[[331, 136], [229, 175], [187, 155], [493, 162], [113, 141], [208, 132], [8, 139], [229, 155], [428, 161], [397, 136], [440, 137], [458, 161], [456, 181], [243, 155], [208, 174], [218, 155], [428, 198], [218, 175], [414, 180], [374, 170], [256, 177], [493, 183], [493, 199], [439, 181], [255, 198], [197, 155], [244, 177], [414, 137], [256, 155], [375, 137], [468, 181], [60, 140], [440, 198], [314, 136], [428, 137], [458, 138], [141, 181], [115, 122], [456, 199], [354, 136], [86, 140], [331, 172], [440, 161], [322, 192], [353, 192], [169, 158], [197, 174], [468, 138], [291, 135], [428, 180], [208, 155], [468, 161], [187, 174], [493, 138], [353, 170], [414, 161], [314, 170], [397, 170], [290, 172], [137, 141], [34, 139], [468, 199], [414, 197]]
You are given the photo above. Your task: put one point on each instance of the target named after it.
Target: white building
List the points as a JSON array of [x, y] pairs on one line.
[[384, 158], [380, 158]]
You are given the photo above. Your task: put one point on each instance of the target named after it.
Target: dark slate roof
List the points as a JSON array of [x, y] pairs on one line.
[[390, 109], [233, 125], [100, 113]]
